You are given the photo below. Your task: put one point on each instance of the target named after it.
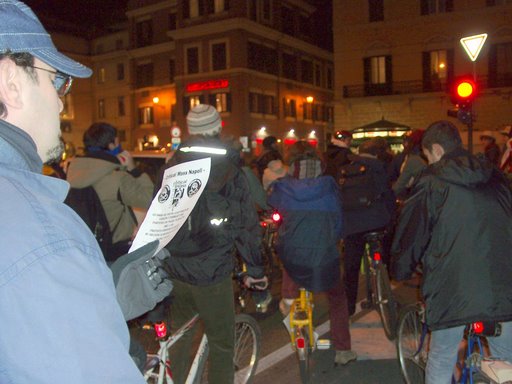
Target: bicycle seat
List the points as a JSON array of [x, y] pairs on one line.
[[374, 235]]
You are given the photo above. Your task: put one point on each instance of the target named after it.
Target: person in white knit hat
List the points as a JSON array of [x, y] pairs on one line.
[[201, 259]]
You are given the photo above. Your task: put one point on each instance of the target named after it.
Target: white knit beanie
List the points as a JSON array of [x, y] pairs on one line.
[[203, 120]]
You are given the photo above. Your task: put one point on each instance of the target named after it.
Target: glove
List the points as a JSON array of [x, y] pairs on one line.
[[126, 160], [258, 284]]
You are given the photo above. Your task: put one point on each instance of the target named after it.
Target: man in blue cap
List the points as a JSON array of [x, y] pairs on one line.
[[61, 321]]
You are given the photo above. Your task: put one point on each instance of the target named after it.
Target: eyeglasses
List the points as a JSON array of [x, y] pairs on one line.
[[61, 82]]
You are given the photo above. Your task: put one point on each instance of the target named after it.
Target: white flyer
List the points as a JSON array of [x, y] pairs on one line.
[[182, 185]]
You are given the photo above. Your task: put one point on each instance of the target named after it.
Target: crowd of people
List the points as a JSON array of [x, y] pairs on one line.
[[454, 219]]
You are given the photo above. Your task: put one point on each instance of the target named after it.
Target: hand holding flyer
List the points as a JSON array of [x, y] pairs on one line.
[[182, 185]]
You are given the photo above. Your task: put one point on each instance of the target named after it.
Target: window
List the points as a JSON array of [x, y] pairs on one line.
[[437, 69], [329, 78], [260, 10], [376, 8], [101, 75], [101, 108], [287, 21], [219, 61], [289, 66], [172, 22], [221, 101], [307, 111], [191, 9], [172, 71], [144, 76], [318, 75], [119, 44], [306, 73], [120, 71], [436, 6], [146, 115], [120, 106], [144, 33], [260, 103], [289, 107], [262, 58], [192, 60], [377, 75], [500, 65], [217, 6], [191, 101]]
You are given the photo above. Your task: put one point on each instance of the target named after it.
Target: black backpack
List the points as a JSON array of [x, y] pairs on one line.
[[86, 203], [357, 185]]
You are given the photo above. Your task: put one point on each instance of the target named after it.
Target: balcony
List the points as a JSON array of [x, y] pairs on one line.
[[420, 86]]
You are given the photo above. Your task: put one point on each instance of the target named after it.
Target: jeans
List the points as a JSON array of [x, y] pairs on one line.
[[444, 345], [216, 309], [338, 312]]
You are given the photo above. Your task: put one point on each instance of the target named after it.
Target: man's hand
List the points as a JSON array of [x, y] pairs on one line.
[[258, 284], [127, 160]]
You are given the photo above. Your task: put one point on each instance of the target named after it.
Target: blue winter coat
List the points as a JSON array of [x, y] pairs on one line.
[[310, 230]]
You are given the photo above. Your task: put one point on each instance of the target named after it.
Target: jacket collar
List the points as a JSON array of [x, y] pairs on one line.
[[22, 147]]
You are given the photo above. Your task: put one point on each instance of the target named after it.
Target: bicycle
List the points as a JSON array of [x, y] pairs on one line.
[[301, 331], [247, 348], [378, 286], [413, 340]]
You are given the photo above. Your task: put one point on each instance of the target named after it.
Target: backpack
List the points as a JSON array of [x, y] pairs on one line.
[[357, 185], [86, 203]]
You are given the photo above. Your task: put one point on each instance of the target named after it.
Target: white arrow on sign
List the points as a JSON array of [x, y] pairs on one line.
[[473, 44]]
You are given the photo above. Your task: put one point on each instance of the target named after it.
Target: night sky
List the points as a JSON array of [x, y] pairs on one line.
[[92, 16]]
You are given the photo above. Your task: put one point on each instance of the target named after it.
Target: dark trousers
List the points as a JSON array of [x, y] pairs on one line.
[[354, 251], [216, 309], [338, 313]]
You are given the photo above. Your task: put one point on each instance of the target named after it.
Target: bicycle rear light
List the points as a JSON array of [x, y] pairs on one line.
[[478, 327], [276, 217], [377, 256], [160, 330], [301, 343]]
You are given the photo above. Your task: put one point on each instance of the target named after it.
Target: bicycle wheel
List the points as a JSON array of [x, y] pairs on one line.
[[303, 351], [385, 302], [412, 345], [247, 348]]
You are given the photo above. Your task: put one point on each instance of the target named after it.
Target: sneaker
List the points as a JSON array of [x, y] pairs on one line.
[[344, 357], [285, 305], [262, 306]]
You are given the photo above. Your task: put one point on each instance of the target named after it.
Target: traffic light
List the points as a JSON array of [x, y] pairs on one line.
[[463, 92]]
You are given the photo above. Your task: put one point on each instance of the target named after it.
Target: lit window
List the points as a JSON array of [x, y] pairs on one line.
[[146, 115], [378, 70], [101, 75], [438, 64], [193, 8]]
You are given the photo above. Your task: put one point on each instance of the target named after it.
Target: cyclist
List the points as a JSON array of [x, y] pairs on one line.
[[458, 223], [201, 261], [308, 237]]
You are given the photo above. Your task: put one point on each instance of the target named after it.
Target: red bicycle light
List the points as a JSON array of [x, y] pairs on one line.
[[301, 343], [377, 256], [478, 327], [276, 216], [160, 330]]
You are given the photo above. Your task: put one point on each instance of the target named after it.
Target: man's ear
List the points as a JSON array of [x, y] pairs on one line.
[[10, 84]]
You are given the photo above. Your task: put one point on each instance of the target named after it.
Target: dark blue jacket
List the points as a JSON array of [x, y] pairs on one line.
[[310, 230]]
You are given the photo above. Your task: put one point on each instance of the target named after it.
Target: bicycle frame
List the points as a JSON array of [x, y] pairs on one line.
[[303, 305], [165, 342]]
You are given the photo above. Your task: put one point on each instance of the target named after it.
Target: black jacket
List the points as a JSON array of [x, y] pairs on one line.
[[204, 256], [458, 223], [334, 157]]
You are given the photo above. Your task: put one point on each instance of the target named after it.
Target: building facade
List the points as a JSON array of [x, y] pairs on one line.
[[396, 59], [255, 61]]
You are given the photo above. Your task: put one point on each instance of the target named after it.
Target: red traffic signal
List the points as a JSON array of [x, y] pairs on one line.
[[463, 91]]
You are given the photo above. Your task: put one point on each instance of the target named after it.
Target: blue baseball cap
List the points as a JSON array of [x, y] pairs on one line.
[[21, 31]]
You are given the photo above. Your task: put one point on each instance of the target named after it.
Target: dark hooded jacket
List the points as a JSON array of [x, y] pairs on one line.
[[310, 230], [458, 224], [201, 255]]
